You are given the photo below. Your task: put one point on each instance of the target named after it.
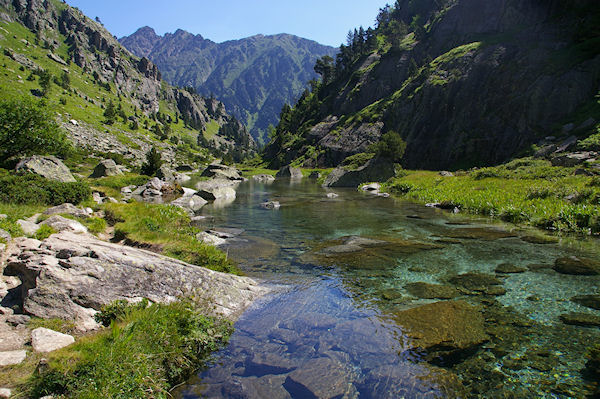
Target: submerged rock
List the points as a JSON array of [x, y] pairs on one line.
[[539, 239], [475, 281], [479, 233], [431, 291], [446, 332], [271, 205], [589, 301], [322, 377], [509, 268], [577, 266], [581, 319], [71, 276], [49, 167]]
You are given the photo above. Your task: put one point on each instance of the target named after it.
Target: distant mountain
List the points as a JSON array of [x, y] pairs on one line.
[[253, 77]]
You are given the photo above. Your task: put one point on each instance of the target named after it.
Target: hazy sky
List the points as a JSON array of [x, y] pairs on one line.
[[326, 21]]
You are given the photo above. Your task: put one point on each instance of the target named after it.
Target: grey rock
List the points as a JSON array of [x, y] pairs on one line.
[[573, 159], [226, 232], [545, 151], [97, 198], [29, 228], [193, 203], [577, 266], [45, 340], [210, 239], [216, 189], [263, 178], [445, 173], [271, 205], [96, 273], [18, 319], [314, 175], [5, 235], [289, 172], [12, 358], [60, 223], [155, 184], [219, 171], [322, 377], [377, 169], [49, 167], [165, 174], [68, 209], [5, 393], [587, 123], [107, 167], [2, 248], [332, 195]]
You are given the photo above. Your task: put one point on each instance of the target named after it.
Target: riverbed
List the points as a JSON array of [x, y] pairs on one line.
[[382, 298]]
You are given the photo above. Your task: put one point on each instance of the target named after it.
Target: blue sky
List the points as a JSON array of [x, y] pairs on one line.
[[326, 21]]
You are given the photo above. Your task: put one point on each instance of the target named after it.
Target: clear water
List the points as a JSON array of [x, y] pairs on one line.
[[330, 328]]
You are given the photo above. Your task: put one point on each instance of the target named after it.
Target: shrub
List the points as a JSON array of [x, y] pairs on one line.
[[356, 161], [32, 189], [117, 311], [484, 173], [27, 128], [390, 146], [44, 232], [402, 188]]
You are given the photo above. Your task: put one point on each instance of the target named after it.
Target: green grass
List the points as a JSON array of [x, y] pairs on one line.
[[143, 354], [166, 228], [523, 191]]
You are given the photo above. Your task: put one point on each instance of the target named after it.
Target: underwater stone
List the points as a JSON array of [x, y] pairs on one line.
[[590, 301], [431, 291], [580, 319], [577, 266]]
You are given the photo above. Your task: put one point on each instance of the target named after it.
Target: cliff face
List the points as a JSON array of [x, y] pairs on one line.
[[469, 83], [253, 77]]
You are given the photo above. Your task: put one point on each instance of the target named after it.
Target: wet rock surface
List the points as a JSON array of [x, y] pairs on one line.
[[431, 291], [577, 266], [590, 301]]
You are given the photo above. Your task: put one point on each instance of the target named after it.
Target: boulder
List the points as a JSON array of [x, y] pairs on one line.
[[28, 227], [287, 172], [192, 203], [45, 340], [219, 171], [377, 170], [271, 205], [332, 195], [314, 175], [372, 188], [49, 167], [12, 358], [165, 174], [577, 266], [71, 276], [445, 173], [107, 167], [60, 223], [445, 331], [67, 209], [215, 189], [210, 239], [264, 178]]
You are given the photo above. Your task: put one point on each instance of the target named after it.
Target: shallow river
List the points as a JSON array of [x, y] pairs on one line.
[[350, 316]]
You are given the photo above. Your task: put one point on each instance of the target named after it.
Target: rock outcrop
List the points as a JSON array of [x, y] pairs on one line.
[[48, 167], [377, 169], [45, 340], [71, 276], [288, 172]]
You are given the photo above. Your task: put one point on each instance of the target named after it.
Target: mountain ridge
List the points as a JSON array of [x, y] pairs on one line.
[[253, 76]]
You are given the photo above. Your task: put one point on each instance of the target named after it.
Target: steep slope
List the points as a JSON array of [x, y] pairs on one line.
[[253, 77], [464, 82], [116, 101]]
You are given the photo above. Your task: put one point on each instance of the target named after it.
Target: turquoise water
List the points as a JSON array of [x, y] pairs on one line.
[[334, 328]]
